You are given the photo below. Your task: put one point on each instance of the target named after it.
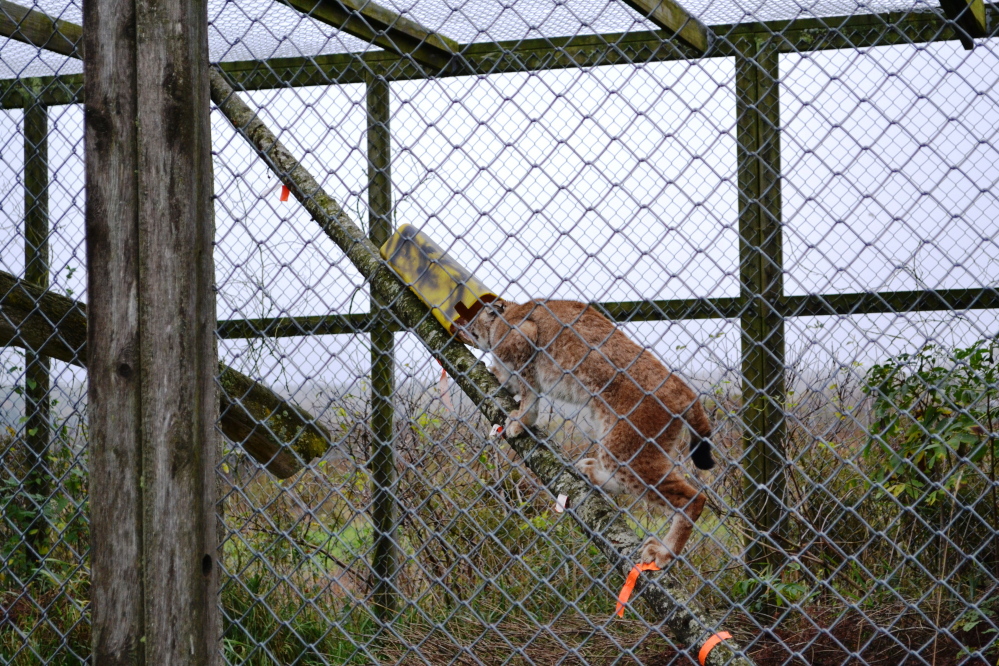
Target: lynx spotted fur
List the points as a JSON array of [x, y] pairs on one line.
[[569, 351]]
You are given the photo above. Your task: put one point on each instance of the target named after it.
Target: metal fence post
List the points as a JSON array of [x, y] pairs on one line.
[[385, 556], [36, 367], [152, 362], [762, 285]]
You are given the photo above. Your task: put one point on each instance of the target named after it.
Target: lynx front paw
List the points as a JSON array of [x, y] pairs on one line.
[[598, 476], [654, 550], [513, 428], [588, 467]]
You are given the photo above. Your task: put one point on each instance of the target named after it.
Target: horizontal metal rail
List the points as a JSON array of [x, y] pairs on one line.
[[799, 35], [812, 305]]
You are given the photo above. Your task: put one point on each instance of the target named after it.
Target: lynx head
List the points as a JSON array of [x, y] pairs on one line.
[[476, 332]]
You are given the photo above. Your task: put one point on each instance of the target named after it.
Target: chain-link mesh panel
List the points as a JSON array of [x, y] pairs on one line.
[[798, 223], [44, 535]]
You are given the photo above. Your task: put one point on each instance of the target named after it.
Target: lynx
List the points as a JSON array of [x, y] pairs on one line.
[[569, 351]]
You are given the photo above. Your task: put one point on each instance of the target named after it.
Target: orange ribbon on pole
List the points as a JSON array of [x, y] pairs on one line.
[[710, 644], [629, 585], [285, 192]]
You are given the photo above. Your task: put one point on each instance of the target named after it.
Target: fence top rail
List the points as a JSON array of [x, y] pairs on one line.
[[522, 55]]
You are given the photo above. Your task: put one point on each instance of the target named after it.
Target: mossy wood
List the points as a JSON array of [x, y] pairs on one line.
[[970, 17], [379, 25], [275, 432], [810, 305], [37, 425], [41, 30], [386, 555], [761, 275], [673, 18], [666, 600]]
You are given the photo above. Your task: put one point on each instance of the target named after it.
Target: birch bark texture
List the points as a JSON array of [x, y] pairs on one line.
[[151, 335]]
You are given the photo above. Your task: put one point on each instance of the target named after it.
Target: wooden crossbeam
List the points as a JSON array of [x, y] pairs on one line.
[[383, 27], [670, 16], [38, 29]]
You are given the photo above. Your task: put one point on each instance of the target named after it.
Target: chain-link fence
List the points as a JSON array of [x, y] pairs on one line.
[[791, 207]]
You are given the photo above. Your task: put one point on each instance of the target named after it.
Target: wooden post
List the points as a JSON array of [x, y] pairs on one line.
[[762, 286], [36, 366], [151, 333], [386, 555]]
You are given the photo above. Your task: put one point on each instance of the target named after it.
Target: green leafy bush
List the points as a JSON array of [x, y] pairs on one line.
[[932, 410]]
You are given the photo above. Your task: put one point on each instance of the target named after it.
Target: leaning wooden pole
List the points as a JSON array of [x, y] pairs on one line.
[[666, 600], [152, 403]]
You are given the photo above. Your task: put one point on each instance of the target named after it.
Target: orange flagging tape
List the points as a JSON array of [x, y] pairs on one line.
[[710, 644], [629, 585], [285, 192]]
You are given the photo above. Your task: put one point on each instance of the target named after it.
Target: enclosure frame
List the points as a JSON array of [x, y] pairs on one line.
[[761, 307]]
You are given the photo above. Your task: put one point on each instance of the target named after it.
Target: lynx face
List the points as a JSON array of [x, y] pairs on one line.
[[477, 333]]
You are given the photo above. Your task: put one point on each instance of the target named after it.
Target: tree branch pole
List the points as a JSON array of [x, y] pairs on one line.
[[278, 434], [666, 600]]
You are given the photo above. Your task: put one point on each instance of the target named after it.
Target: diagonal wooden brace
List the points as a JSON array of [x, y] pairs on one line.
[[666, 600], [276, 433], [40, 30], [383, 27]]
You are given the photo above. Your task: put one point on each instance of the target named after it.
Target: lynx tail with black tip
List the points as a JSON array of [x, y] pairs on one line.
[[700, 431]]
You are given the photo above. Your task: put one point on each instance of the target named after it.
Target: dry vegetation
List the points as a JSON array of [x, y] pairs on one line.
[[491, 574]]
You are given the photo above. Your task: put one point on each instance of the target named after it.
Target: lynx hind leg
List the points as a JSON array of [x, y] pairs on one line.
[[654, 550], [688, 504]]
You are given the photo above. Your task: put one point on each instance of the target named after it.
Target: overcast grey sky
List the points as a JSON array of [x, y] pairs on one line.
[[615, 183]]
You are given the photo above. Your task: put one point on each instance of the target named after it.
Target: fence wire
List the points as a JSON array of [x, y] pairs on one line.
[[799, 224]]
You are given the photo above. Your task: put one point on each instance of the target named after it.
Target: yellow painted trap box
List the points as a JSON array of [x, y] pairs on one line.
[[447, 287]]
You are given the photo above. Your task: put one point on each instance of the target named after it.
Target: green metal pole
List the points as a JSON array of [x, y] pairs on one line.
[[386, 555], [36, 270], [762, 286]]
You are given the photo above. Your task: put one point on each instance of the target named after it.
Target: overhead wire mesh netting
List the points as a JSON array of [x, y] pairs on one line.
[[798, 220]]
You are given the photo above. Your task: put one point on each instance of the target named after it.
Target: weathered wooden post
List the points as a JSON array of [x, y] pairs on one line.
[[761, 276], [37, 430], [151, 332], [385, 556]]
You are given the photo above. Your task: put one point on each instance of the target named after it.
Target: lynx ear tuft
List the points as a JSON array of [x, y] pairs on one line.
[[499, 305]]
